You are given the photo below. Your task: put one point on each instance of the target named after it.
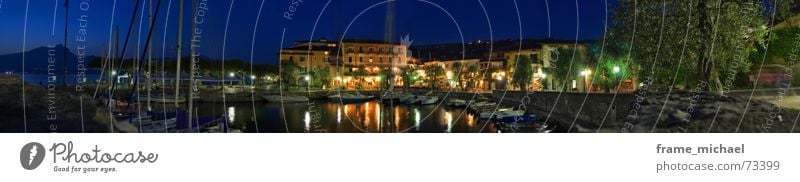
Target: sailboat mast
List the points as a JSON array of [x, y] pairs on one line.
[[387, 38], [193, 61], [178, 65], [122, 55], [114, 58], [139, 69], [66, 26], [149, 59]]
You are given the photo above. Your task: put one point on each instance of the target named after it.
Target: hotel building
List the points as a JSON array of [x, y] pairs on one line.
[[353, 63]]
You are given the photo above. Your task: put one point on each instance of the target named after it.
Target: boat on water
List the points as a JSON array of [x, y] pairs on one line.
[[414, 99], [482, 106], [155, 122], [391, 95], [350, 98], [177, 122], [405, 98], [284, 98], [427, 100], [456, 103], [501, 113], [162, 99], [518, 119], [509, 113]]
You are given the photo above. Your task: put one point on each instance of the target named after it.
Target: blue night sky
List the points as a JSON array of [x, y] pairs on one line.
[[426, 23]]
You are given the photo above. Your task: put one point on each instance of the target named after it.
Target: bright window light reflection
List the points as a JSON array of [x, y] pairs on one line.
[[378, 113], [416, 118], [339, 115], [448, 116], [307, 119], [231, 114]]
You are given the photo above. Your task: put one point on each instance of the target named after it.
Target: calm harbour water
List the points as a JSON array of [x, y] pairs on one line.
[[325, 116], [328, 116]]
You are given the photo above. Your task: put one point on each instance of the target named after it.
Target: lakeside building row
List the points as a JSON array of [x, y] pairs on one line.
[[370, 64]]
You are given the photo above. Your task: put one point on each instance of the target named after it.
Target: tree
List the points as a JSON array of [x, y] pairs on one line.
[[288, 71], [489, 74], [386, 78], [434, 73], [408, 73], [566, 66], [523, 75], [455, 74], [324, 74], [359, 75], [611, 72], [712, 38], [473, 77]]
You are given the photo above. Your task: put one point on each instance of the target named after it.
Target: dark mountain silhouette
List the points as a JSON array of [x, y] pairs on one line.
[[479, 50], [36, 60]]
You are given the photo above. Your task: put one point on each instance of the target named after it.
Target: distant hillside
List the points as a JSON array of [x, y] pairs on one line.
[[478, 50], [36, 60]]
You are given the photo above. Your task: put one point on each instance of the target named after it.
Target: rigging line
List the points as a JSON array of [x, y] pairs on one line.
[[146, 48], [122, 56]]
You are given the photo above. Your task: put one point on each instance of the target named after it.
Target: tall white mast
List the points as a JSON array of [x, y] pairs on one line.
[[178, 65], [149, 59], [193, 62]]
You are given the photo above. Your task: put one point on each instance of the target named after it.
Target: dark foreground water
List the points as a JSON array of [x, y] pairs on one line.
[[324, 116]]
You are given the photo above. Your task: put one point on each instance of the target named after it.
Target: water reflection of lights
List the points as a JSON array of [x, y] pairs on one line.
[[378, 114], [397, 116], [307, 119], [448, 116], [367, 119], [231, 114], [339, 114], [416, 119], [470, 120]]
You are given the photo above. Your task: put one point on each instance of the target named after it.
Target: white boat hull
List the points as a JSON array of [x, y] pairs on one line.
[[279, 98], [502, 113], [167, 99], [429, 100], [350, 98]]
